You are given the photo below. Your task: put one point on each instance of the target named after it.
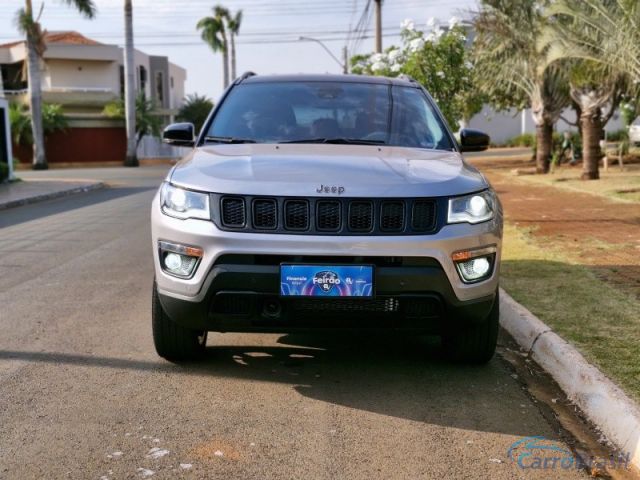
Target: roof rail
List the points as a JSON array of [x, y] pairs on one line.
[[244, 76], [408, 78]]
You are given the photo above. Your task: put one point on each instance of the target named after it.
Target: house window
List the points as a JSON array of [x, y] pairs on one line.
[[122, 81], [171, 82], [160, 88], [142, 79]]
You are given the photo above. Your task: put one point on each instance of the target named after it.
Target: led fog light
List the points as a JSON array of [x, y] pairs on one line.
[[179, 260], [474, 265], [173, 262]]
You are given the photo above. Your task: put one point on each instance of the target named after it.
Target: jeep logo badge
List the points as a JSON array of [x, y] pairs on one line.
[[326, 280], [330, 189]]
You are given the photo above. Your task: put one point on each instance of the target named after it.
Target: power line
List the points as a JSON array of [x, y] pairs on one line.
[[265, 33], [255, 42]]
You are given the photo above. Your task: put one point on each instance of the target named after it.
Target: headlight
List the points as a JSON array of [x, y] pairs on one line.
[[180, 203], [475, 208]]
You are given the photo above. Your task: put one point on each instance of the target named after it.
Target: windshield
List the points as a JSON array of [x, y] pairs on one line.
[[329, 112]]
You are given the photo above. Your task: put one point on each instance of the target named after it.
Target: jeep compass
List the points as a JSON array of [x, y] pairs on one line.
[[313, 202]]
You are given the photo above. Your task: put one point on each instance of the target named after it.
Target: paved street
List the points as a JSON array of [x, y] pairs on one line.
[[83, 394]]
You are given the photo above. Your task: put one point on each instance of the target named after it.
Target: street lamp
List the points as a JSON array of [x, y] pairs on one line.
[[344, 65]]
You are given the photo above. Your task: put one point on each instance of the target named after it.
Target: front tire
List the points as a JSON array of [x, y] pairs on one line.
[[173, 341], [475, 343]]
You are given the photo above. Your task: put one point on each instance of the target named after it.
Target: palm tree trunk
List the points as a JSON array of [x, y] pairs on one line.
[[131, 159], [35, 97], [225, 64], [544, 144], [591, 153], [233, 57]]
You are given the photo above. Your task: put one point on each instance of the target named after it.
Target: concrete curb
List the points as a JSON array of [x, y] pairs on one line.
[[605, 404], [49, 196]]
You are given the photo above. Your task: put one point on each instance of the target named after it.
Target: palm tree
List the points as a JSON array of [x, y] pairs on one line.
[[147, 121], [234, 24], [131, 159], [511, 69], [593, 86], [605, 31], [195, 109], [30, 26], [214, 33]]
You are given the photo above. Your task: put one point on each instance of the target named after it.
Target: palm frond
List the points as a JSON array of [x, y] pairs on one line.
[[87, 8], [234, 22], [510, 67], [212, 30], [604, 31]]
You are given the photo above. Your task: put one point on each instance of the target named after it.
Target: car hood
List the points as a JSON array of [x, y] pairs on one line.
[[302, 169]]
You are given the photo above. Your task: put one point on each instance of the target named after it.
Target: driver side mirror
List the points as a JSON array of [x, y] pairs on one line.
[[473, 140], [179, 135]]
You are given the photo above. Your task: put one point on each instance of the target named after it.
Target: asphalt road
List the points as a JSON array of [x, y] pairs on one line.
[[83, 394]]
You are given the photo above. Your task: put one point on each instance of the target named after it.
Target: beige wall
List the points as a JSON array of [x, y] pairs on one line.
[[81, 74], [91, 67], [82, 52], [13, 54], [176, 93]]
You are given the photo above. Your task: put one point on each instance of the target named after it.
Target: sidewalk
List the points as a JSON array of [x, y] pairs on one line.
[[37, 190]]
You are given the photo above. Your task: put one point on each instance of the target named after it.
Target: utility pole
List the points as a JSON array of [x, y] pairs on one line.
[[378, 25], [345, 60]]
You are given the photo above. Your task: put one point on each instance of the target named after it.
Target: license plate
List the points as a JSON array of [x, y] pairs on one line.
[[326, 280]]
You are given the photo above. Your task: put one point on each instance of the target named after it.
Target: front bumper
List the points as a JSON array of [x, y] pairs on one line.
[[190, 300]]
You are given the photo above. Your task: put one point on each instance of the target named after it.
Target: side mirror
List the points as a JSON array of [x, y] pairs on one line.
[[473, 140], [179, 134]]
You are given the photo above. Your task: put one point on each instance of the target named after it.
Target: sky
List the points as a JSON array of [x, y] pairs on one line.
[[269, 36]]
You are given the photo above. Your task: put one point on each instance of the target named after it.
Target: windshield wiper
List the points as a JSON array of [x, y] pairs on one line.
[[339, 141], [228, 140]]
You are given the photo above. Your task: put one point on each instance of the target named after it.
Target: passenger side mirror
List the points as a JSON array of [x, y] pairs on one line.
[[179, 135], [473, 140]]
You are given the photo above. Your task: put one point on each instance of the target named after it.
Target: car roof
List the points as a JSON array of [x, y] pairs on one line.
[[307, 77]]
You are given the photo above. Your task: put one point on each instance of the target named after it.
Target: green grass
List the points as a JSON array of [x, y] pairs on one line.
[[614, 183], [602, 322]]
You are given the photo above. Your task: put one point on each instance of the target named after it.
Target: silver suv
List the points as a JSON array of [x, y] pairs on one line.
[[317, 201]]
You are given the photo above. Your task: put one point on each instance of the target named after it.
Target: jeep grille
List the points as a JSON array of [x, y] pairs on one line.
[[317, 216]]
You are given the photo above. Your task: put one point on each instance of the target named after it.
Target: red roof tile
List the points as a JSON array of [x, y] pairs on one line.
[[64, 38]]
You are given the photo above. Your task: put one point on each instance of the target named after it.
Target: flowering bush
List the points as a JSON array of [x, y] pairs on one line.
[[436, 57]]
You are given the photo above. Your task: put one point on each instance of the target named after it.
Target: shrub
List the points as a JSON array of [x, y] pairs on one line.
[[4, 172], [53, 119], [522, 140], [618, 135], [196, 109]]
